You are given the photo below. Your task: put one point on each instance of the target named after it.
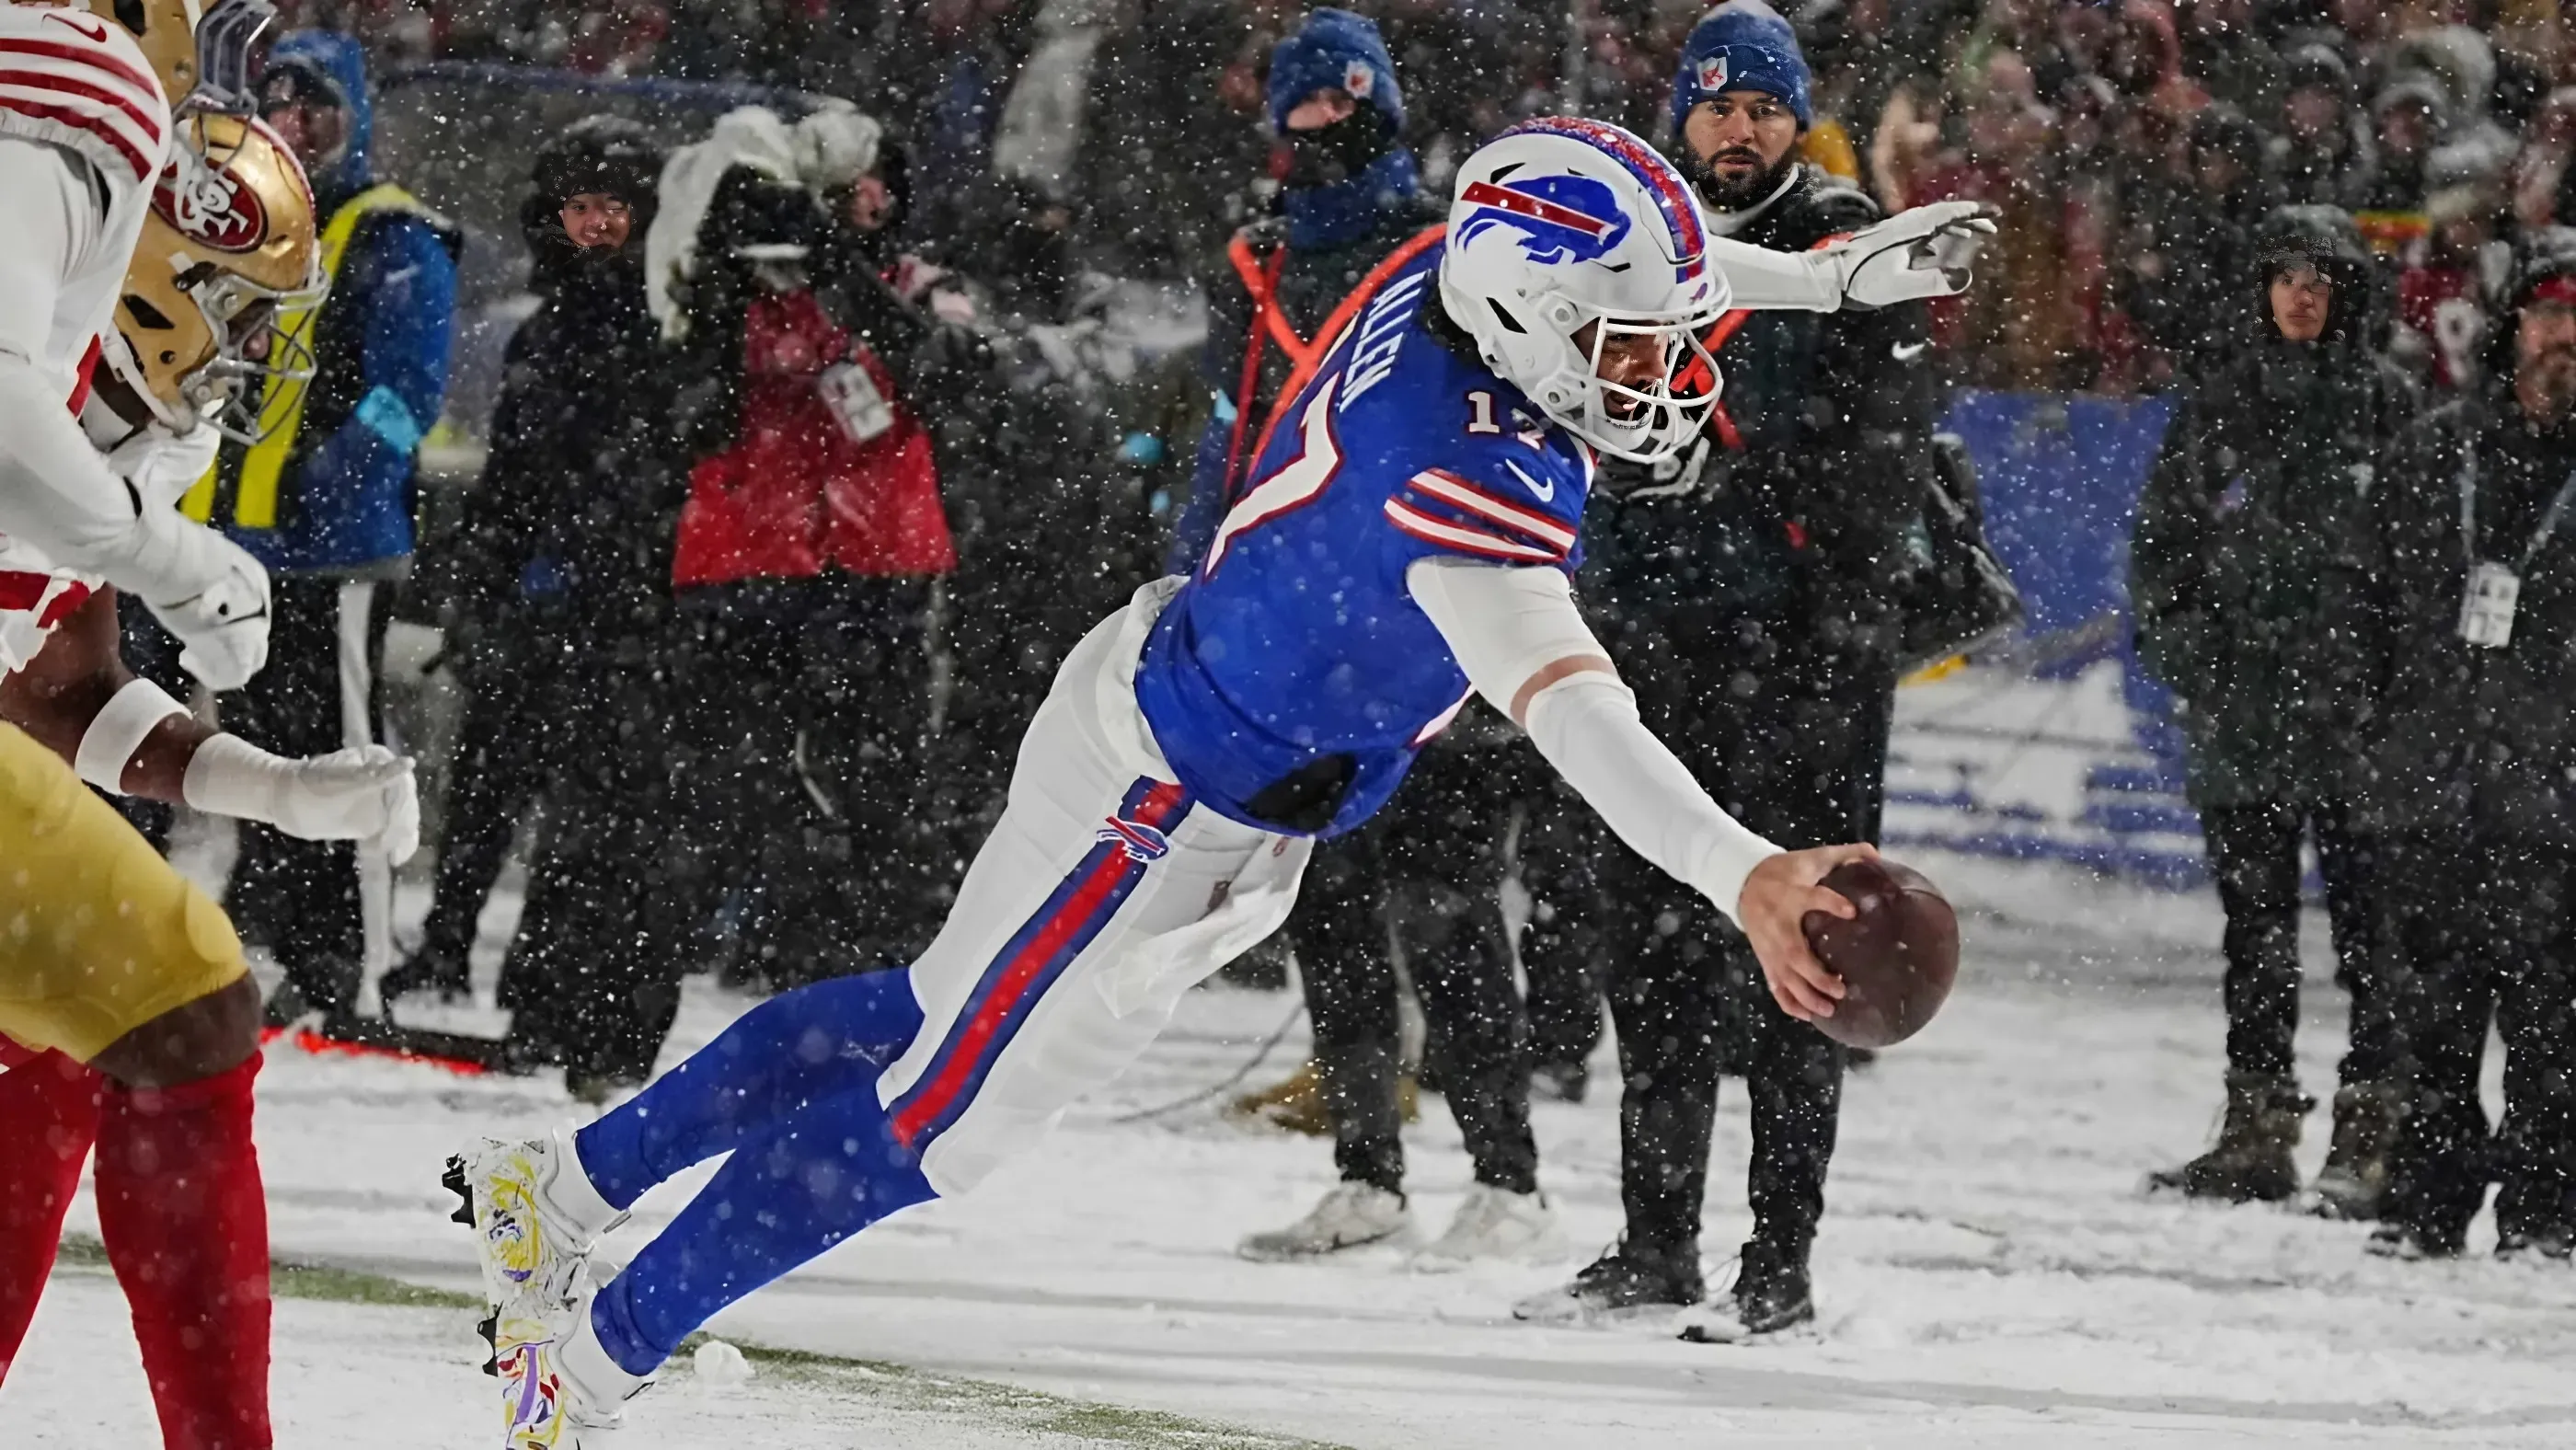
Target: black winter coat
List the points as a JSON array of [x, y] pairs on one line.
[[1791, 533], [1312, 282], [2477, 740], [568, 517], [2250, 567]]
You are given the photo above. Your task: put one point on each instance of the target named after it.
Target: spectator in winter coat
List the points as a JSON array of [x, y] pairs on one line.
[[2222, 51], [1749, 593], [2025, 328], [2442, 328], [2473, 761], [2189, 287], [2144, 61], [2407, 119], [2322, 148], [2249, 573], [562, 606], [566, 369], [812, 532], [326, 503], [1347, 208]]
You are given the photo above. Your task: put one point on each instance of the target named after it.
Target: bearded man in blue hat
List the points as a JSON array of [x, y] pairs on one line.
[[1751, 588]]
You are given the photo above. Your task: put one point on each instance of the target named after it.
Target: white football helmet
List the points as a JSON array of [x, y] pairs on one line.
[[1563, 234]]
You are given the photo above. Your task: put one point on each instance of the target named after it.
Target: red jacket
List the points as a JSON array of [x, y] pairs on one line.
[[794, 497]]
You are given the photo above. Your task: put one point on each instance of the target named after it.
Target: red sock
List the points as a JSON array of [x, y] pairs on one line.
[[48, 1115], [180, 1207]]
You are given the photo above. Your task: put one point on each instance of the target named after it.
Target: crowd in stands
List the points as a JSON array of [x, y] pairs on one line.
[[2132, 147]]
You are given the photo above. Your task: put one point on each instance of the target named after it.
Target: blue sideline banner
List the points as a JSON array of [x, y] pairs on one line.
[[2057, 747]]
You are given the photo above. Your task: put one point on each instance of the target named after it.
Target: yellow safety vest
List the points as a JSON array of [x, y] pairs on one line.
[[281, 408]]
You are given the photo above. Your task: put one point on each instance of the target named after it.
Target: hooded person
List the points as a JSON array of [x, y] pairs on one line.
[[2408, 118], [1348, 210], [2322, 147], [2195, 305], [552, 569], [593, 976], [1348, 199], [2472, 758], [326, 501], [2249, 573]]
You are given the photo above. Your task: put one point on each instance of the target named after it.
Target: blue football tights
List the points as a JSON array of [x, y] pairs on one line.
[[790, 1090]]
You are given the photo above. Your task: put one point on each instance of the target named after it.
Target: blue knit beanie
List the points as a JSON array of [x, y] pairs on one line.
[[1742, 45], [1338, 51]]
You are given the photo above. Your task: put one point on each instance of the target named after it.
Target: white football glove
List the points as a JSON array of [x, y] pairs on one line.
[[163, 465], [223, 627], [365, 793], [1913, 255]]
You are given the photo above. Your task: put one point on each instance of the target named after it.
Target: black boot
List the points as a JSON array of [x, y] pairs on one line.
[[428, 971], [2392, 1240], [1631, 1279], [2367, 1116], [1565, 1082], [328, 986], [1771, 1293], [2555, 1243], [2252, 1161]]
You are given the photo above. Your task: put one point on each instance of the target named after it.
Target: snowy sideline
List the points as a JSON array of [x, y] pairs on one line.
[[1988, 1273]]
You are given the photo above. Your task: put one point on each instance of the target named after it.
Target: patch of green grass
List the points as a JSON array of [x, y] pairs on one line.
[[892, 1387], [291, 1280], [1014, 1407]]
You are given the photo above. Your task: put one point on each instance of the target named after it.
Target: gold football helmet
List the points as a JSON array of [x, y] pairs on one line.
[[167, 31], [229, 264], [194, 46]]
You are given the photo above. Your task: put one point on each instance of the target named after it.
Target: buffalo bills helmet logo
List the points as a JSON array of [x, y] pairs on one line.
[[1140, 842], [1560, 218]]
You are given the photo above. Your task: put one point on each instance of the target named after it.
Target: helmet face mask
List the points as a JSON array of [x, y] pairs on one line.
[[228, 269], [261, 362], [1565, 237]]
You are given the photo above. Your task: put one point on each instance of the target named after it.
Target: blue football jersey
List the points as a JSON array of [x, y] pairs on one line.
[[1295, 666]]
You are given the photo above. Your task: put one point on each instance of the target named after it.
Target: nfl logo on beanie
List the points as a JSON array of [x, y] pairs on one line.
[[1742, 45], [1334, 50]]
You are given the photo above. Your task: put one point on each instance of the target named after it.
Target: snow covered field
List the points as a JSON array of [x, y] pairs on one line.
[[1988, 1275]]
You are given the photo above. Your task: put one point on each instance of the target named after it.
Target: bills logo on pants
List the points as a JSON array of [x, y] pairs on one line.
[[1096, 902], [1035, 957]]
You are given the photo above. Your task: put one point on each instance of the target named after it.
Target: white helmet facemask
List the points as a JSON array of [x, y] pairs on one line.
[[1567, 238]]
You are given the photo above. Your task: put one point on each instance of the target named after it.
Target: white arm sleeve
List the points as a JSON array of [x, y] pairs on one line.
[[1506, 625], [55, 491], [1758, 279]]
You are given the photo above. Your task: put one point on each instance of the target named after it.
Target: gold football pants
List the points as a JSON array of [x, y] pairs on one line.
[[98, 934]]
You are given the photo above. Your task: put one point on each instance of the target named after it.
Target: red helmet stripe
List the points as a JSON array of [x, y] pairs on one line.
[[1672, 195]]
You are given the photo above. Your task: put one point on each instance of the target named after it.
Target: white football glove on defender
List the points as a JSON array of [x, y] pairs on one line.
[[163, 465], [366, 793], [223, 626], [1913, 255]]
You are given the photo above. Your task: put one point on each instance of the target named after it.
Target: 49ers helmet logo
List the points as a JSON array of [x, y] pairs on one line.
[[211, 206]]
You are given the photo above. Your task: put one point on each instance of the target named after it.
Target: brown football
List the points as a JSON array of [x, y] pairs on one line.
[[1898, 957]]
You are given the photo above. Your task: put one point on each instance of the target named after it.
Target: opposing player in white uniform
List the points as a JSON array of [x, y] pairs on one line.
[[1410, 538], [127, 1016]]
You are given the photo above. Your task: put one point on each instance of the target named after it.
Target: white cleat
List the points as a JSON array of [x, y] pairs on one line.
[[1352, 1215], [535, 1217], [1494, 1224], [559, 1388]]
